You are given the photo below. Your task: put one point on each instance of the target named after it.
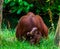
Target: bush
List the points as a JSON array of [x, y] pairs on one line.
[[21, 7], [17, 6]]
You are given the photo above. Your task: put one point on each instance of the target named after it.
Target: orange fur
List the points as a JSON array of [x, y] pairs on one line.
[[29, 21]]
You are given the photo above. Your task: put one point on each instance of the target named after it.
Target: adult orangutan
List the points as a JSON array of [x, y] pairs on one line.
[[27, 23]]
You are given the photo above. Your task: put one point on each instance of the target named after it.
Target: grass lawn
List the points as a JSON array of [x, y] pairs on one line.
[[9, 41]]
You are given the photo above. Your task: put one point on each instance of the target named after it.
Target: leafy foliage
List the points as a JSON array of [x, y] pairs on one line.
[[40, 7], [36, 6], [17, 6], [8, 40]]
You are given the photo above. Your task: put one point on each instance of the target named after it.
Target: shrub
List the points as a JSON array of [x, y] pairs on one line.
[[17, 6]]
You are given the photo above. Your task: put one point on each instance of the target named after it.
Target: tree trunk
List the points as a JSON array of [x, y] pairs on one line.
[[57, 35], [1, 3]]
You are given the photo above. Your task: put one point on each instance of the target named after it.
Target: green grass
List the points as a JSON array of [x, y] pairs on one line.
[[9, 41]]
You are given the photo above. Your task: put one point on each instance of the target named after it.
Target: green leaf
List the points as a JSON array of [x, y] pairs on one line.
[[47, 0], [26, 9], [59, 7], [31, 5], [19, 11], [12, 3], [21, 3], [7, 1], [19, 0], [25, 3], [12, 11]]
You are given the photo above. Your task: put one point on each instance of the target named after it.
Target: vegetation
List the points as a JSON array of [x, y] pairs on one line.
[[39, 7], [9, 41], [16, 6], [14, 9]]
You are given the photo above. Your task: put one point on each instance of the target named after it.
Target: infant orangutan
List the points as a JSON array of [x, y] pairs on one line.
[[35, 35]]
